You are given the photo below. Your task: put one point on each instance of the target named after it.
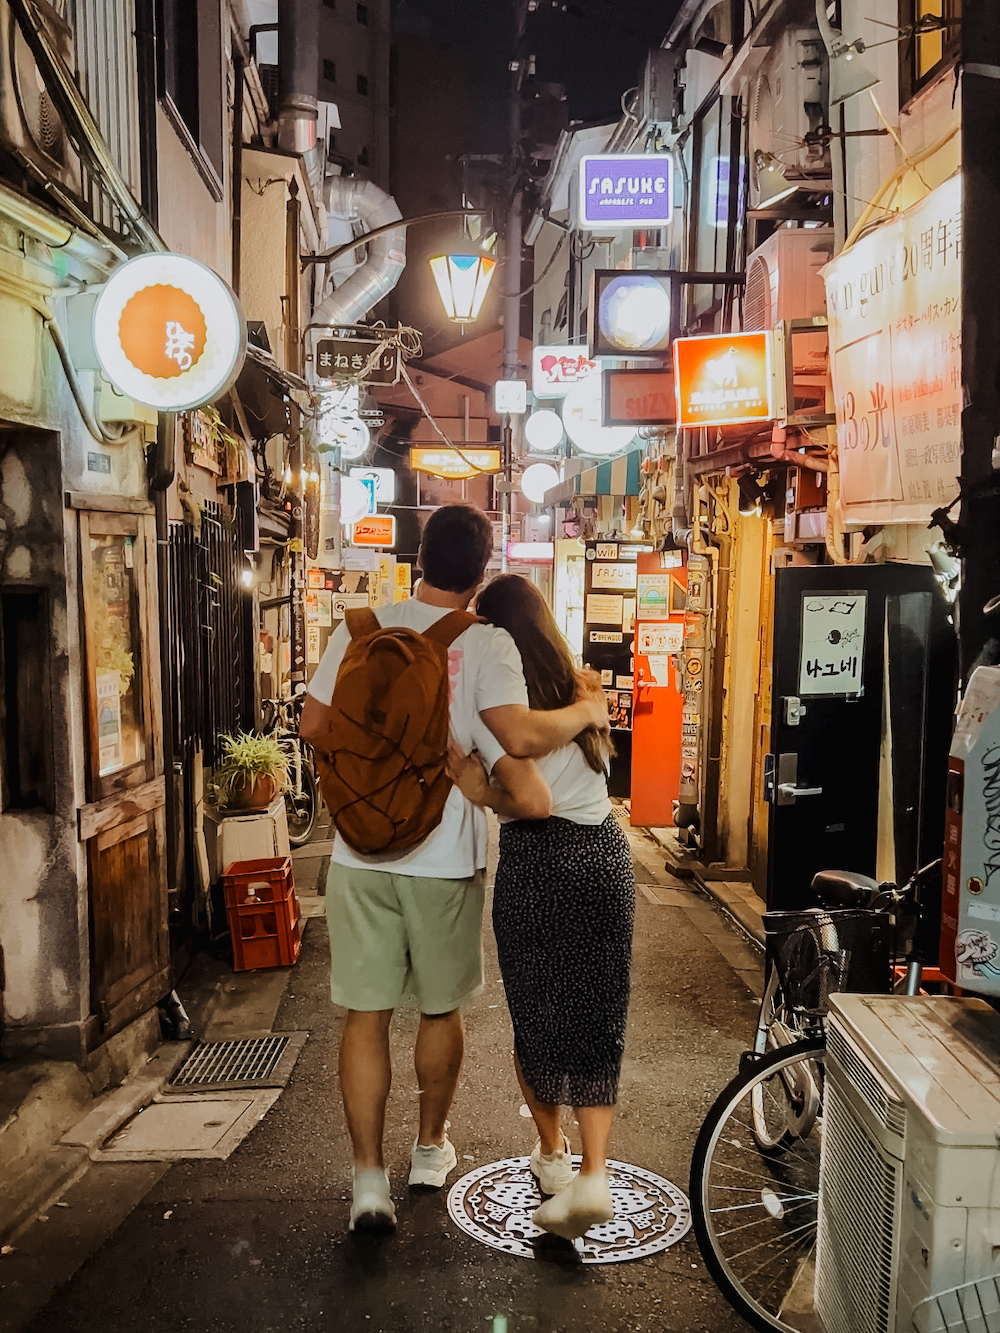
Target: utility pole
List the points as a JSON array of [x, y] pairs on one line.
[[511, 269], [979, 523]]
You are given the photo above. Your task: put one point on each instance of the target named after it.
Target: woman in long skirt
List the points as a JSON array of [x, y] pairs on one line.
[[563, 910]]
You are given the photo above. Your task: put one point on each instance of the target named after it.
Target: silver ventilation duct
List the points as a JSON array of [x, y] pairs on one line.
[[363, 201], [298, 74]]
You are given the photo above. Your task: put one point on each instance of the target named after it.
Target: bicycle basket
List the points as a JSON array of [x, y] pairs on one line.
[[973, 1307], [810, 971]]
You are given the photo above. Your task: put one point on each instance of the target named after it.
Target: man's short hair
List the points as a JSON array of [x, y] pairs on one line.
[[456, 547]]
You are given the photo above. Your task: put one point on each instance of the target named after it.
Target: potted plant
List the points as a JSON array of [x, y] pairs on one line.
[[252, 771]]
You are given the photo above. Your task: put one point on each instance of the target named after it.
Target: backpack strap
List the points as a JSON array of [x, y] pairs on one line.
[[446, 630], [361, 622]]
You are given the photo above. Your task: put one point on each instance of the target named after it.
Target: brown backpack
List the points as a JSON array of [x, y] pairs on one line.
[[382, 766]]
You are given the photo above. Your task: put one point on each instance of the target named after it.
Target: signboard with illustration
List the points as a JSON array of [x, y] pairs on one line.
[[831, 660], [724, 379], [555, 369], [894, 306], [168, 332]]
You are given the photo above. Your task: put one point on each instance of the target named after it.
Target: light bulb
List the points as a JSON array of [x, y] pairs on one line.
[[288, 475]]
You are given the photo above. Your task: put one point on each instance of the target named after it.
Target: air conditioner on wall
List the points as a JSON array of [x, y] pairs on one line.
[[30, 126], [909, 1191], [788, 100]]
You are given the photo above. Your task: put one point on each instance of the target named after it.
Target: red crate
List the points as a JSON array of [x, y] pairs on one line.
[[267, 934], [266, 880]]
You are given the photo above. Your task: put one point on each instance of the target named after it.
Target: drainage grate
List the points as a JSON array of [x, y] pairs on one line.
[[247, 1060]]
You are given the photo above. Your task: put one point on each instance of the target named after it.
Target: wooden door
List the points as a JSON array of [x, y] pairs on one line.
[[123, 825]]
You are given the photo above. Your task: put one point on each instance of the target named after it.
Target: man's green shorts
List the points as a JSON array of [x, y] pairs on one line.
[[393, 934]]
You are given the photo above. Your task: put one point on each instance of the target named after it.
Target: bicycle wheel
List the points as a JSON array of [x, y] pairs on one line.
[[778, 1026], [754, 1213], [301, 808]]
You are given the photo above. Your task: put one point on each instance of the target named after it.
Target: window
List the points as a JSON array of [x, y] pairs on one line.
[[925, 54], [330, 71], [190, 90], [363, 14], [363, 84], [27, 729]]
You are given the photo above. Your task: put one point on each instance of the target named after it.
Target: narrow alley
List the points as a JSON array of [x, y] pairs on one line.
[[259, 1243]]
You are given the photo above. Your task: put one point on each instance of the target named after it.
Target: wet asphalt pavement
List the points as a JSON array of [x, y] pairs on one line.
[[259, 1243]]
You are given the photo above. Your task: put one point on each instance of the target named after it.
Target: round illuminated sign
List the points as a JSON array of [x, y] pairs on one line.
[[536, 480], [169, 332], [582, 416], [348, 434], [355, 501], [634, 312], [543, 431]]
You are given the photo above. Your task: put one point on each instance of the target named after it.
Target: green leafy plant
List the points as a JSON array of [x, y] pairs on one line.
[[246, 757]]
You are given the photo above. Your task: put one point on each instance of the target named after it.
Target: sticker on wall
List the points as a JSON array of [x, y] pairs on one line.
[[665, 638], [628, 615], [603, 609], [609, 552], [624, 682], [607, 677], [619, 575], [605, 636], [312, 644], [694, 663], [654, 596]]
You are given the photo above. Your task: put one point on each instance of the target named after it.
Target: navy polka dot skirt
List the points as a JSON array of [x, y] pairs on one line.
[[563, 910]]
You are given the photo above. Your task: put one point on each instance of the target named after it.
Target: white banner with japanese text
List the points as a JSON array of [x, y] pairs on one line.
[[894, 307]]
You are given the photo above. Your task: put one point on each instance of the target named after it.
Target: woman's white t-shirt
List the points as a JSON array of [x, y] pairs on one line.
[[578, 793]]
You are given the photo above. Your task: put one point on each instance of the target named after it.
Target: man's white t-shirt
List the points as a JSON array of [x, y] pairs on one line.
[[484, 669], [578, 793]]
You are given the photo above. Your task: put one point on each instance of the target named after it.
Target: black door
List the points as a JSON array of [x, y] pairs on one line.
[[860, 653]]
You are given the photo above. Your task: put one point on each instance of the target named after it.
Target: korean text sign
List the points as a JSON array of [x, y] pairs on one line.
[[621, 190], [894, 306], [724, 379], [831, 660]]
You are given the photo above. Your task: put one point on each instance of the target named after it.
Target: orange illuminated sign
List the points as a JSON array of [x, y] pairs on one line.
[[724, 380], [456, 463], [375, 530]]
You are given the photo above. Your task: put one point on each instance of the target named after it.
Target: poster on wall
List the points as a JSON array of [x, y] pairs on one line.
[[894, 307], [667, 638], [653, 596], [831, 660], [620, 575], [603, 609]]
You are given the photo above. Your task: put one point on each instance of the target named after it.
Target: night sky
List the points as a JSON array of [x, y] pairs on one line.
[[596, 50]]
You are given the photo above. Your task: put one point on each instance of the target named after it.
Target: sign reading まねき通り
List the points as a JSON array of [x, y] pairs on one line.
[[168, 332], [895, 319], [623, 190]]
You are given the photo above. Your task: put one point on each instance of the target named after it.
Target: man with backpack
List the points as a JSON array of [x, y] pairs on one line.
[[406, 884]]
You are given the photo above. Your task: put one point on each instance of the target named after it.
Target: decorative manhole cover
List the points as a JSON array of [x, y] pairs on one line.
[[494, 1204]]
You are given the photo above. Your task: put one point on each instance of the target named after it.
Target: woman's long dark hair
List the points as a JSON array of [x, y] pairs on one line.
[[513, 603]]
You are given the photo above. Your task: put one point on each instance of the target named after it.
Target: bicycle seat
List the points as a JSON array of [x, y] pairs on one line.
[[844, 888]]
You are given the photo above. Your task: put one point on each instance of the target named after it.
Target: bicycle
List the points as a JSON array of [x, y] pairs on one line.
[[302, 798], [754, 1185]]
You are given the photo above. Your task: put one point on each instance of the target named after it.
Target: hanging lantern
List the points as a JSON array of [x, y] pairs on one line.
[[463, 281]]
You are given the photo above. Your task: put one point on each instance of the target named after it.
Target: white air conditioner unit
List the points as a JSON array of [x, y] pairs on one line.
[[784, 283], [788, 101], [30, 126], [909, 1192]]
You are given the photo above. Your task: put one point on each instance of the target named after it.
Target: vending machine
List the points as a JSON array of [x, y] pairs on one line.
[[658, 699]]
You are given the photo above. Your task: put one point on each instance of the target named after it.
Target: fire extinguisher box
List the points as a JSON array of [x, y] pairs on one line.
[[970, 919]]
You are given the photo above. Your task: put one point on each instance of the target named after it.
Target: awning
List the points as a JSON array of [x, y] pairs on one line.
[[618, 476]]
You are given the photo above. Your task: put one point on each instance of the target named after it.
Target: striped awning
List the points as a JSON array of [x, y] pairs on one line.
[[617, 476]]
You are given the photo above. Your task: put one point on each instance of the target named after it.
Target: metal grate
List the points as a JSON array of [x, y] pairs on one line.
[[858, 1209], [888, 1110], [246, 1060]]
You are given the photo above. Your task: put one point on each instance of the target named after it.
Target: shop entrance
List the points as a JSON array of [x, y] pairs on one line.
[[861, 715], [123, 824]]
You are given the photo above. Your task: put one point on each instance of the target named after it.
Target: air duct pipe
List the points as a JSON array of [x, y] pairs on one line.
[[359, 200], [298, 42]]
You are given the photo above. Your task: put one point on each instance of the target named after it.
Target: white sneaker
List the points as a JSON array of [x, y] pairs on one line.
[[584, 1203], [429, 1166], [372, 1211], [555, 1171]]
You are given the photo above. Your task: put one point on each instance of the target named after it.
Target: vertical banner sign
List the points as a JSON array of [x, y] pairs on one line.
[[894, 305], [831, 660]]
